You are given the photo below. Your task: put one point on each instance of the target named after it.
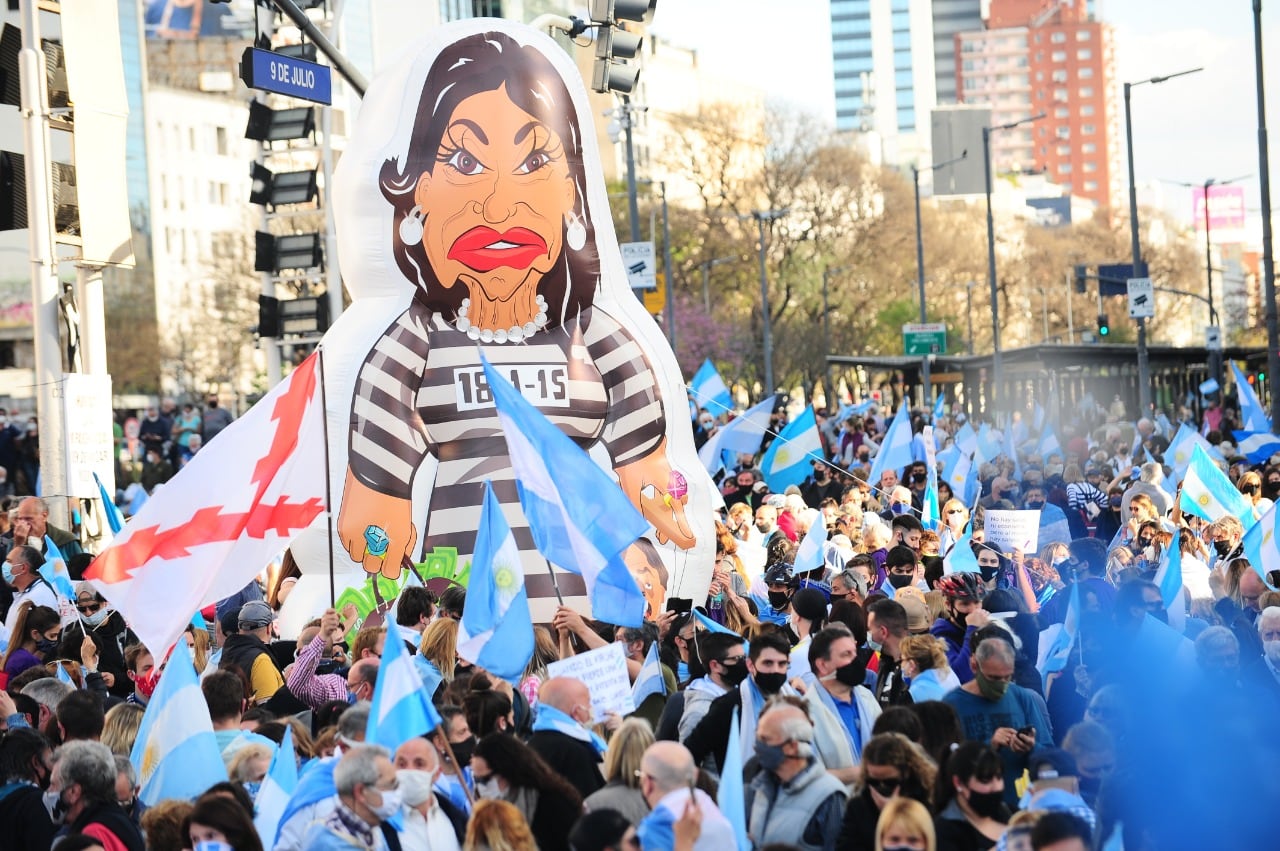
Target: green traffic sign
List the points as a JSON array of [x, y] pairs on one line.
[[924, 338]]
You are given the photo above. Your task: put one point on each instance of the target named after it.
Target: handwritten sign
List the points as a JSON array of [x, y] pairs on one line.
[[604, 671], [1012, 530]]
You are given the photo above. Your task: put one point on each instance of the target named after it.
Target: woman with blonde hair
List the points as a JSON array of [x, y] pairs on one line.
[[120, 729], [535, 673], [440, 646], [498, 826], [199, 646], [924, 663], [905, 825], [621, 791], [955, 515]]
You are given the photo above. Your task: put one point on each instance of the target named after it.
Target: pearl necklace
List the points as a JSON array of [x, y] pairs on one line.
[[514, 334]]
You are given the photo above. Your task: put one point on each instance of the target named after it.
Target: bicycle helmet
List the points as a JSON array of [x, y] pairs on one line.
[[962, 586]]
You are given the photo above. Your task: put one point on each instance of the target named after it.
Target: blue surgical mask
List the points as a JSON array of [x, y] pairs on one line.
[[874, 645], [900, 508], [7, 571], [682, 671], [97, 618]]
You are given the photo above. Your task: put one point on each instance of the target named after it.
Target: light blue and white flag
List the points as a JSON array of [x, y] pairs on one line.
[[649, 680], [1038, 417], [789, 459], [1255, 416], [402, 707], [731, 797], [1169, 580], [496, 630], [708, 624], [960, 559], [930, 516], [988, 446], [1057, 640], [1049, 444], [1178, 454], [1262, 544], [940, 407], [276, 789], [1208, 493], [895, 451], [61, 674], [710, 391], [176, 754], [54, 570], [741, 435], [812, 550], [1257, 446], [115, 520], [1010, 450], [579, 517], [967, 440]]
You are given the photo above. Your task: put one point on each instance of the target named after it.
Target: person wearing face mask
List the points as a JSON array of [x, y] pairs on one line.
[[778, 588], [431, 822], [143, 673], [1149, 484], [455, 759], [1055, 786], [905, 825], [21, 572], [886, 628], [1054, 528], [508, 770], [970, 799], [84, 780], [962, 617], [993, 710], [893, 769], [843, 710], [1094, 752], [901, 567], [808, 615], [792, 799], [368, 794], [562, 733], [26, 767], [109, 632], [726, 662], [767, 662], [36, 630]]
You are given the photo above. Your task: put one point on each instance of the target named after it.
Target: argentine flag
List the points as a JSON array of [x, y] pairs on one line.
[[1262, 544], [401, 706], [1049, 444], [496, 630], [810, 555], [741, 435], [1255, 416], [1169, 580], [967, 440], [710, 391], [940, 407], [579, 517], [930, 515], [1057, 640], [731, 797], [1257, 446], [1208, 493], [1180, 449], [115, 520], [895, 451], [276, 790], [649, 680], [176, 754], [789, 459], [960, 559]]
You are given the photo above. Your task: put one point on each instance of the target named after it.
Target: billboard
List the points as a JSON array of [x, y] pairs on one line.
[[1226, 207], [1051, 212], [956, 131], [191, 19]]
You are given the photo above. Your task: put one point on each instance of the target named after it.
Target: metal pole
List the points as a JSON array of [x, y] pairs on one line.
[[666, 266], [1144, 368], [1215, 355], [996, 366], [764, 310], [332, 271], [1071, 319], [348, 71], [93, 337], [270, 345], [706, 286], [969, 312], [924, 359], [1268, 259], [44, 264], [1044, 311], [826, 336], [633, 205]]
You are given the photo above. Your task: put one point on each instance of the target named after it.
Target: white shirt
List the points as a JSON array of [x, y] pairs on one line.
[[432, 833], [717, 834], [37, 592], [1195, 576]]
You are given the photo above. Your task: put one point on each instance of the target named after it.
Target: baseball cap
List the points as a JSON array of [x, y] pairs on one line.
[[1051, 764], [810, 603], [255, 614], [86, 592], [912, 599], [759, 487]]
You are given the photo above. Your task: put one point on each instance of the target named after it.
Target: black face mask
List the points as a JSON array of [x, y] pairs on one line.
[[734, 674], [898, 580], [1222, 548], [770, 683], [988, 571], [1035, 504], [779, 600], [986, 804], [852, 674], [1089, 789], [462, 751]]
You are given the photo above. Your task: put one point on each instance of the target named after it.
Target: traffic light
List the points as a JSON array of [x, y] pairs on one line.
[[1104, 327], [614, 45], [1082, 278]]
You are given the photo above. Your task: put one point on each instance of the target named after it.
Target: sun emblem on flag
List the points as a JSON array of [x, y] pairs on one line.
[[150, 760], [1203, 499], [782, 458], [1266, 537], [506, 581]]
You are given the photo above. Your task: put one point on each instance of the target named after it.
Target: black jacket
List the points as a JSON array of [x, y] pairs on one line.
[[574, 760], [25, 821], [711, 736], [113, 819], [112, 636]]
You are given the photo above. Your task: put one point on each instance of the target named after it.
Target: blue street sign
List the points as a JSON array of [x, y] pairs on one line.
[[284, 75]]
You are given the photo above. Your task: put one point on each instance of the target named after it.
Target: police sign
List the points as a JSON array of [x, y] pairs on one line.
[[285, 75]]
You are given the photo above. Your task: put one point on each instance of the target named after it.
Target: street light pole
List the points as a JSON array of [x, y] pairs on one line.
[[1135, 246], [762, 216], [1268, 259], [666, 269], [997, 367], [706, 266], [1044, 312], [925, 366], [968, 311], [827, 272], [633, 203]]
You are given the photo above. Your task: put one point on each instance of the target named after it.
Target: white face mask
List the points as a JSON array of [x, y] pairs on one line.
[[488, 789], [390, 804], [415, 785], [1272, 649]]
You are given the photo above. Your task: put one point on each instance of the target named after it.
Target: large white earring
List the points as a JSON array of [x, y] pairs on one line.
[[411, 226], [575, 231]]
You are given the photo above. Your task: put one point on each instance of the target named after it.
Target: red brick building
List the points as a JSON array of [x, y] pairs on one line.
[[1047, 56]]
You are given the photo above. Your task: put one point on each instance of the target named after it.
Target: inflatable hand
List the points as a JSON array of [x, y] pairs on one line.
[[376, 529], [660, 495]]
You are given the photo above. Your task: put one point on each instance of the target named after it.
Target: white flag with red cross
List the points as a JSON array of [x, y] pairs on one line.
[[212, 528]]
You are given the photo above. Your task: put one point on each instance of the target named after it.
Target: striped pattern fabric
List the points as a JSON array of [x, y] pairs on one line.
[[422, 392]]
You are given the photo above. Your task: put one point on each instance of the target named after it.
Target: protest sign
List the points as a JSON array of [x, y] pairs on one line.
[[604, 670], [1012, 530]]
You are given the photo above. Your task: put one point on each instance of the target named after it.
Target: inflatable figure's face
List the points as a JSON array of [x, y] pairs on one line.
[[495, 203]]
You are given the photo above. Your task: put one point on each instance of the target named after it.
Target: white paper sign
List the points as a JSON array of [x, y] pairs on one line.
[[604, 671], [1012, 530], [90, 442]]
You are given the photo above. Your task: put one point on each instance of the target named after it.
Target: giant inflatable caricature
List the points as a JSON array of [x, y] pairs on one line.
[[472, 216]]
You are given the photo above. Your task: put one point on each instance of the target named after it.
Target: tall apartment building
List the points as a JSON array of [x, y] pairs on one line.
[[893, 62], [1051, 57]]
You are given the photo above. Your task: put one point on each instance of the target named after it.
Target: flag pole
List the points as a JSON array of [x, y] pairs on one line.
[[554, 584], [448, 749], [328, 484]]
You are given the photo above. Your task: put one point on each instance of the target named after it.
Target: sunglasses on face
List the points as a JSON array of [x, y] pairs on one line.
[[88, 608], [885, 787]]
